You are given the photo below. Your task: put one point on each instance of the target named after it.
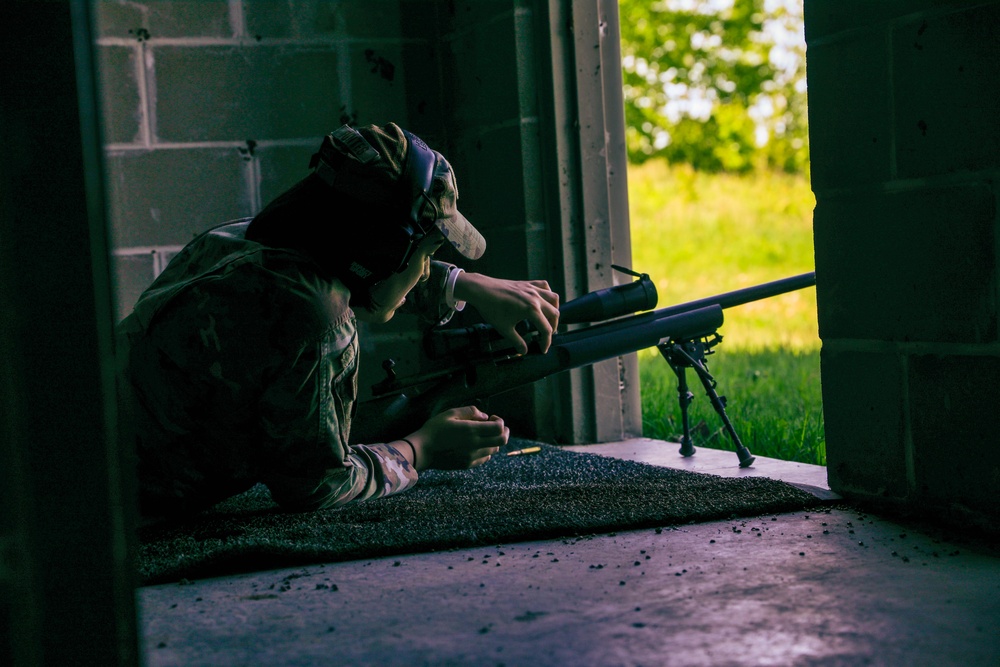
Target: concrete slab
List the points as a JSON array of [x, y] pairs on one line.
[[808, 477], [835, 586]]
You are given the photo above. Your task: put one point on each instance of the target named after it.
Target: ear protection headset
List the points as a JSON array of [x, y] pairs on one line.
[[386, 250]]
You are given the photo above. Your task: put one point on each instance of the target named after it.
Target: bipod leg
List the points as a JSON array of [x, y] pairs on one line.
[[719, 403], [678, 365]]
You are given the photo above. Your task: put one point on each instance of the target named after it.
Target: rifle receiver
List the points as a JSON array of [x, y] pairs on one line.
[[480, 340]]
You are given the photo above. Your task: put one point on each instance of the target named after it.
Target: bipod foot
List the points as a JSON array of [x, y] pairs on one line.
[[687, 447]]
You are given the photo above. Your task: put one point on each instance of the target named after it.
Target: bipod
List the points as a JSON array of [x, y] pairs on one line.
[[684, 354]]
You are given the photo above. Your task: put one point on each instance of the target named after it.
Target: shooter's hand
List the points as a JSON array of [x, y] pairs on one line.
[[504, 303], [457, 439]]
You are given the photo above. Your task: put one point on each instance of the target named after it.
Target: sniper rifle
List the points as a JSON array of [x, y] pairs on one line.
[[479, 363]]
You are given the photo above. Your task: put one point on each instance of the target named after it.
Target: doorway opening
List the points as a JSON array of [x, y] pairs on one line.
[[720, 200]]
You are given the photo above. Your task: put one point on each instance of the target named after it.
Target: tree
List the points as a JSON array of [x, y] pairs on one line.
[[718, 84]]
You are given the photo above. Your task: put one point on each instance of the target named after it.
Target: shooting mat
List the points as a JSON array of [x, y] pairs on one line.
[[551, 494]]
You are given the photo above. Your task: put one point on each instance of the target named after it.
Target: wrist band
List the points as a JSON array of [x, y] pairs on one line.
[[412, 449], [449, 289]]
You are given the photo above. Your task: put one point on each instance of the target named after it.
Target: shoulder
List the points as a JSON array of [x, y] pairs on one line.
[[245, 287], [280, 290]]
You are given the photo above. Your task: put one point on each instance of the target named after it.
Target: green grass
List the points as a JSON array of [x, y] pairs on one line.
[[700, 234], [773, 400]]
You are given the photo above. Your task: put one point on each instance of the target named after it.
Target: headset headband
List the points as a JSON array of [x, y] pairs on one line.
[[393, 251], [415, 181], [418, 174]]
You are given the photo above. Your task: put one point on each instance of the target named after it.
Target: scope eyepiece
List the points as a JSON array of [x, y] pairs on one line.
[[610, 302]]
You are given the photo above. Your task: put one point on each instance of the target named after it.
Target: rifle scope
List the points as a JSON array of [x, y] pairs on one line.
[[610, 302], [604, 304]]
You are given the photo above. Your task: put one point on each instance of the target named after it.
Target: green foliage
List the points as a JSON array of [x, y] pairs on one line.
[[717, 84], [697, 234]]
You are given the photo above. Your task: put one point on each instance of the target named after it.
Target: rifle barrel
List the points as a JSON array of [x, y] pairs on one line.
[[747, 294], [637, 333], [726, 300]]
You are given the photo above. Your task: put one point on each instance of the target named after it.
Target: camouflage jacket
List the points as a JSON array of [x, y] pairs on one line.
[[240, 366]]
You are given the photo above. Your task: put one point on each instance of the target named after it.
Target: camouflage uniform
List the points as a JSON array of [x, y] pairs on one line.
[[240, 366]]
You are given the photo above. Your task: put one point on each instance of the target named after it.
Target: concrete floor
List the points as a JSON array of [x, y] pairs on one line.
[[830, 587]]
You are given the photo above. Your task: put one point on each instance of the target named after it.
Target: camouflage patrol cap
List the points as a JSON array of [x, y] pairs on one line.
[[368, 163]]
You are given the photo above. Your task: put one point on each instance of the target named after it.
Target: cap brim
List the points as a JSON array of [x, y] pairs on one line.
[[465, 238]]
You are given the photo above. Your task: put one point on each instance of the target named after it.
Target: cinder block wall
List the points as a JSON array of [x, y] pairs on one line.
[[905, 147], [213, 107], [489, 129]]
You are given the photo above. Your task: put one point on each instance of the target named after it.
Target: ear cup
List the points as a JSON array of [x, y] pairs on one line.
[[387, 251], [418, 178], [391, 251]]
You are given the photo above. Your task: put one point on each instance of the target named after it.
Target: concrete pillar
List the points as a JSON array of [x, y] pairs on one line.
[[905, 150], [66, 503]]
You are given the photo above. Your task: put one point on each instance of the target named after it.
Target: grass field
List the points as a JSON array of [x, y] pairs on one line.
[[700, 234]]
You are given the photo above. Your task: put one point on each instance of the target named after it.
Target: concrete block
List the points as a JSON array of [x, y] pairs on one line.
[[863, 420], [188, 18], [395, 82], [156, 18], [380, 19], [945, 73], [214, 93], [954, 401], [380, 85], [850, 131], [481, 67], [490, 175], [824, 18], [266, 19], [917, 265], [166, 197], [121, 101], [120, 18], [133, 274], [281, 167]]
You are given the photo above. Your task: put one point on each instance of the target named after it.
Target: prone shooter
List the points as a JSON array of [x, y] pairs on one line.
[[480, 363]]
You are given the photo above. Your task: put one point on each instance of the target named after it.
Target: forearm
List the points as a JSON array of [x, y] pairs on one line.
[[372, 471], [505, 303], [471, 287]]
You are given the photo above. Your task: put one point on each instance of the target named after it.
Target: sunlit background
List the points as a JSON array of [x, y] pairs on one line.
[[720, 199]]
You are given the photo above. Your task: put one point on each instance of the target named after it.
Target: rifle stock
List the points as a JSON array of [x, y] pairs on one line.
[[402, 406]]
